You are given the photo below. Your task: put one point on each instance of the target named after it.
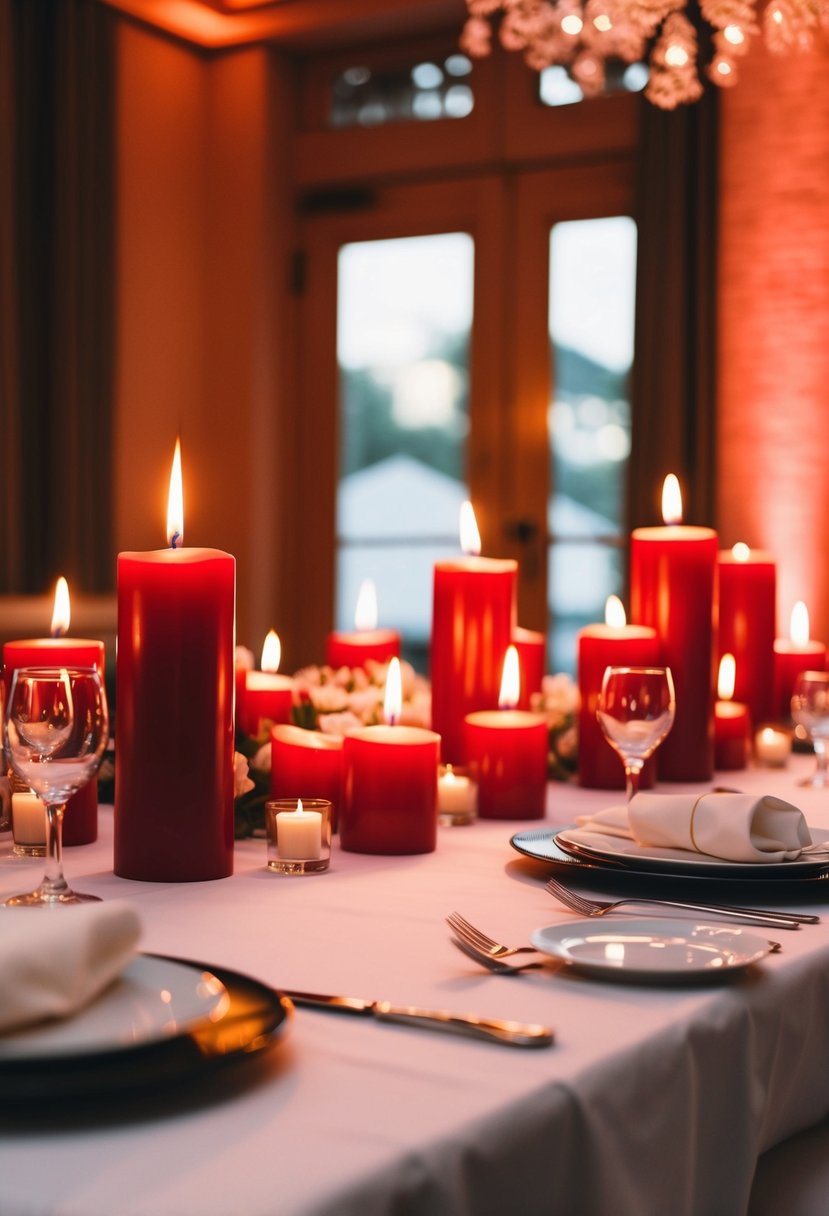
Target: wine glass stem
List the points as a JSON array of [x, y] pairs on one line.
[[53, 881], [820, 755], [633, 771]]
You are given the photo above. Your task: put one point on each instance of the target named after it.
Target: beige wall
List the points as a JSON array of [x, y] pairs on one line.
[[200, 341], [773, 395]]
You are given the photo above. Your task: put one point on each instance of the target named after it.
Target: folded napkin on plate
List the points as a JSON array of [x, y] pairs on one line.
[[735, 827], [53, 962]]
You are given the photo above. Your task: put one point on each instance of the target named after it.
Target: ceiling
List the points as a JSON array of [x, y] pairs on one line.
[[216, 24]]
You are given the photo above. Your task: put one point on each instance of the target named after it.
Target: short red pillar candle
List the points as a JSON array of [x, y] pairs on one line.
[[792, 655], [731, 720], [80, 820], [268, 696], [390, 790], [307, 764], [672, 589], [507, 750], [747, 597], [473, 619], [366, 642], [532, 652], [614, 644], [174, 743]]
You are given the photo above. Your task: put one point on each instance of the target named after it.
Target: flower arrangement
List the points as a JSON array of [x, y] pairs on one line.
[[559, 701]]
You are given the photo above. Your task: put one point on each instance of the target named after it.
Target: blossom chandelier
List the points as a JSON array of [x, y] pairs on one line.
[[583, 35]]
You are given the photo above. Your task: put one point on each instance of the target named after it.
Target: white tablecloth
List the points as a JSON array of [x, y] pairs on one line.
[[654, 1100]]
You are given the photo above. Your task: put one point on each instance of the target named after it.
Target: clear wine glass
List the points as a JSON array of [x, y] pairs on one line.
[[810, 709], [636, 710], [55, 727]]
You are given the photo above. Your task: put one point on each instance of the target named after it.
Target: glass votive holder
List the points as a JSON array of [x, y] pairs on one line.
[[28, 821], [772, 746], [299, 835], [457, 796]]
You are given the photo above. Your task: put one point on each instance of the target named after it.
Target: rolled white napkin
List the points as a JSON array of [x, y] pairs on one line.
[[53, 962], [734, 827]]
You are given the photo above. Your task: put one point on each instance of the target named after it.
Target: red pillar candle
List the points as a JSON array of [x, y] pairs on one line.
[[174, 739], [242, 663], [731, 720], [80, 821], [366, 641], [507, 750], [390, 790], [614, 644], [747, 596], [307, 764], [672, 589], [473, 618], [792, 655], [268, 696], [532, 649]]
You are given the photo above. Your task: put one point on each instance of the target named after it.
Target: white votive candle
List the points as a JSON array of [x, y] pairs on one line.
[[772, 746], [28, 819], [299, 834], [456, 793]]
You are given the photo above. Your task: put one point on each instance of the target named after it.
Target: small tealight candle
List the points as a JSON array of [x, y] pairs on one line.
[[457, 796], [299, 835], [28, 824], [507, 751], [772, 746], [730, 721]]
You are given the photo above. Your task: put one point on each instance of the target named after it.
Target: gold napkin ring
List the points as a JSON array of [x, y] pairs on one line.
[[691, 822]]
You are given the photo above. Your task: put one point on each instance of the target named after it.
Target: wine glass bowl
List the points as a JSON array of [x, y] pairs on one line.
[[55, 727], [810, 709], [635, 711]]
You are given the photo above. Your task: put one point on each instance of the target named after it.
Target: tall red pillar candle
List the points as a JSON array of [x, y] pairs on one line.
[[613, 644], [390, 790], [174, 738], [307, 764], [672, 589], [532, 651], [731, 720], [747, 597], [366, 641], [792, 655], [473, 620], [507, 757], [268, 696], [80, 821]]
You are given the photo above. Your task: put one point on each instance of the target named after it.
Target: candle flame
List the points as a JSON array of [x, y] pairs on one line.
[[741, 552], [470, 536], [271, 652], [299, 807], [61, 612], [365, 614], [614, 612], [175, 503], [393, 699], [671, 500], [727, 677], [799, 627], [510, 680]]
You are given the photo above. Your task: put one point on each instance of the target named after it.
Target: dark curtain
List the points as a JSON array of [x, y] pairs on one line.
[[56, 293], [673, 383]]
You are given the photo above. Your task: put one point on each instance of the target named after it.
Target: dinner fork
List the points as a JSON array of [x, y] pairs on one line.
[[756, 916], [493, 964], [479, 940]]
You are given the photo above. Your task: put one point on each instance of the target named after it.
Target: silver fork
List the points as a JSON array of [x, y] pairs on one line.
[[493, 964], [753, 916], [480, 942]]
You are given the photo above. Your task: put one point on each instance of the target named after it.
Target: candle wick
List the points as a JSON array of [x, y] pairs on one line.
[[173, 539]]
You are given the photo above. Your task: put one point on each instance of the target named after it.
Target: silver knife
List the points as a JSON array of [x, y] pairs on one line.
[[515, 1034]]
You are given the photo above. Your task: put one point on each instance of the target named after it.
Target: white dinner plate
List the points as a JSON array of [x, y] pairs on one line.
[[153, 1000], [655, 950], [680, 861]]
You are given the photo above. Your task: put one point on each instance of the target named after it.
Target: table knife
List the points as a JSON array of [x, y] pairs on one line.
[[514, 1034]]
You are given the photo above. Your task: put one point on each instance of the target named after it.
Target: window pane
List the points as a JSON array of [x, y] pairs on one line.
[[420, 92], [404, 318], [592, 298]]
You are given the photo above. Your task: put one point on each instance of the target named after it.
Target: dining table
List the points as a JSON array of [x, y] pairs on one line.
[[653, 1098]]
